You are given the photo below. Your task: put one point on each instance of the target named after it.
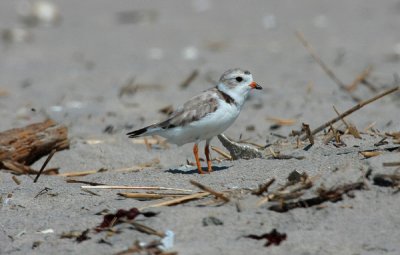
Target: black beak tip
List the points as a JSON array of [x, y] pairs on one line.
[[258, 87]]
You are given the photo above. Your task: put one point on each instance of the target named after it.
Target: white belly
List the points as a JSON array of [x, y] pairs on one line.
[[211, 125]]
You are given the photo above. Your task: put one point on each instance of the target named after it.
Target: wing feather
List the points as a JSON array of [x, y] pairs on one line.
[[194, 109]]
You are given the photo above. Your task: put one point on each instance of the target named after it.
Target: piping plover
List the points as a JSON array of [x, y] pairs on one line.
[[206, 115]]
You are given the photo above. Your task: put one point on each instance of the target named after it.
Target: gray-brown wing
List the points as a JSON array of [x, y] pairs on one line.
[[194, 109]]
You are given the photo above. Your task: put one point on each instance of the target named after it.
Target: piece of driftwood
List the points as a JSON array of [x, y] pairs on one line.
[[28, 144]]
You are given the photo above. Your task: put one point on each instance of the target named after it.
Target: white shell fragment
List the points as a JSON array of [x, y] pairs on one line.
[[168, 241], [47, 231]]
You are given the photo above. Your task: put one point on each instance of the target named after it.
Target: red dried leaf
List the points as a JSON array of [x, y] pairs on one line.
[[273, 237]]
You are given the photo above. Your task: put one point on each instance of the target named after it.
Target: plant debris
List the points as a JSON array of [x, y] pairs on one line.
[[263, 187], [79, 236], [211, 191], [148, 196], [350, 111], [333, 195], [273, 237], [306, 128], [84, 182], [111, 219], [282, 122]]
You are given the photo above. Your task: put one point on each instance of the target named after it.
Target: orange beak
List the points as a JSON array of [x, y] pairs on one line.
[[254, 85]]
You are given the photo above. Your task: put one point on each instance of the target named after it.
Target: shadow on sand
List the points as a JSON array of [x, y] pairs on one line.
[[194, 171]]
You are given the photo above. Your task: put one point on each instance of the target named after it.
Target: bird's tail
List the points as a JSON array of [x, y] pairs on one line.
[[138, 132], [150, 130]]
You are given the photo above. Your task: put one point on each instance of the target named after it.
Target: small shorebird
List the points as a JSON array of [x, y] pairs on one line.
[[206, 115]]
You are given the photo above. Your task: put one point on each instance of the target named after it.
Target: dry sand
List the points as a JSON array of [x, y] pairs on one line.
[[73, 71]]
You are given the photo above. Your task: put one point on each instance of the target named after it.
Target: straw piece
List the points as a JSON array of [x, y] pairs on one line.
[[134, 187], [178, 200]]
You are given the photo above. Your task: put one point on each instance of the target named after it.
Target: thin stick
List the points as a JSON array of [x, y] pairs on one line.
[[263, 187], [84, 182], [342, 119], [149, 195], [134, 187], [350, 128], [359, 79], [324, 67], [282, 122], [44, 165], [351, 110], [221, 152], [177, 200], [82, 173], [189, 79], [208, 189], [146, 229]]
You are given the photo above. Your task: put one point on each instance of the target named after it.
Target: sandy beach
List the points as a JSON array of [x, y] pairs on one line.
[[104, 68]]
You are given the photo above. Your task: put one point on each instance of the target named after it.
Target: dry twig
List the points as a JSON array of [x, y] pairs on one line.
[[209, 190], [135, 187], [263, 187], [150, 195], [359, 79], [352, 129], [189, 79], [351, 110], [221, 152], [178, 200]]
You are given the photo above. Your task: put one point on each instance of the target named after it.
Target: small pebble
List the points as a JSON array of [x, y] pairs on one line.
[[209, 221]]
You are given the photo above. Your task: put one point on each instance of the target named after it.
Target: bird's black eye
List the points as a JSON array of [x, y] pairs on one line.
[[239, 79]]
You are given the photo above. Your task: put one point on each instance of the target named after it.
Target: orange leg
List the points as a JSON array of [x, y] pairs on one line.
[[196, 156], [207, 152]]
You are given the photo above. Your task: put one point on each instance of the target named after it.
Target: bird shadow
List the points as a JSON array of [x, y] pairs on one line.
[[195, 171]]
